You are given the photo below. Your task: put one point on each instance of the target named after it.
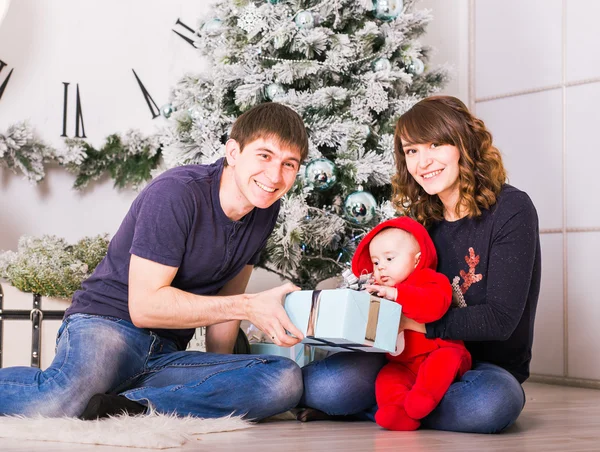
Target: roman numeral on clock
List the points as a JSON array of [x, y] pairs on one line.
[[151, 104], [187, 39], [5, 82], [78, 113]]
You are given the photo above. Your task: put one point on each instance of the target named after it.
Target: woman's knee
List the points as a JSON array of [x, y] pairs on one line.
[[343, 383], [484, 401]]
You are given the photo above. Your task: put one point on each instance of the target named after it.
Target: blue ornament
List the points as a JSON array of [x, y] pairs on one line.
[[416, 67], [273, 2], [167, 110], [321, 174], [387, 9], [305, 19], [195, 113], [213, 27], [360, 207], [382, 64], [273, 90]]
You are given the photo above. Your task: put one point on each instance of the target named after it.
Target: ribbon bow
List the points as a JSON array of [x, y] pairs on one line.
[[352, 282]]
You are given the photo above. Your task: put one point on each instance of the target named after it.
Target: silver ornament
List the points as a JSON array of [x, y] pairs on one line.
[[387, 9], [416, 67], [360, 207], [273, 90], [213, 27], [305, 19], [382, 64], [195, 113], [321, 174]]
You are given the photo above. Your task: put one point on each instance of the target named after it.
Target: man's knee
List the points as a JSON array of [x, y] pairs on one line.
[[55, 407], [285, 382]]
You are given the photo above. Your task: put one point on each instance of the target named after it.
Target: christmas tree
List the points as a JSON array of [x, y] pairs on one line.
[[349, 68]]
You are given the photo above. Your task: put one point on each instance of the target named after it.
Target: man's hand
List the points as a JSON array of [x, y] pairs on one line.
[[265, 310], [410, 324], [390, 293]]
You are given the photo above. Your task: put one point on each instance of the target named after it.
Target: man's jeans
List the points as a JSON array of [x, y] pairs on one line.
[[487, 399], [97, 354]]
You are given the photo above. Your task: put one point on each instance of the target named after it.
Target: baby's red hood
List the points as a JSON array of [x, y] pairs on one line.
[[361, 262]]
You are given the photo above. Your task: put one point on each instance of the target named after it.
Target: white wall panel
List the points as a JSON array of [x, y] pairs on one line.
[[528, 131], [583, 36], [518, 45], [583, 156], [548, 343], [584, 305]]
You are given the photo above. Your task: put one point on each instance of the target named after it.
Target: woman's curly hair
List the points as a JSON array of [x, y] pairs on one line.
[[446, 120]]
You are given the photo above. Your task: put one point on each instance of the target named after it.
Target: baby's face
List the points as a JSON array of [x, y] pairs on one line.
[[394, 254]]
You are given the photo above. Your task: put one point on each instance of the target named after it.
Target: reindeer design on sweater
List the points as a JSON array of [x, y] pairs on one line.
[[469, 277]]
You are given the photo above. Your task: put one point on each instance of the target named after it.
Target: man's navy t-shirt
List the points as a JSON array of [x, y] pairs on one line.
[[177, 220]]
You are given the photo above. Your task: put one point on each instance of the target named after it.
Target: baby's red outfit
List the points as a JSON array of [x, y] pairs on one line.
[[412, 384]]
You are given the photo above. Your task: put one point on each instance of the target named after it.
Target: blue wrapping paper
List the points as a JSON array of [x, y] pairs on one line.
[[345, 320]]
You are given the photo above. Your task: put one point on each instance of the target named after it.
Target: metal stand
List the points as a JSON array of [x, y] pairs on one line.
[[36, 315]]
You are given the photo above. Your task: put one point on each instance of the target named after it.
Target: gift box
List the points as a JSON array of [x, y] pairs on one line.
[[299, 352], [345, 320]]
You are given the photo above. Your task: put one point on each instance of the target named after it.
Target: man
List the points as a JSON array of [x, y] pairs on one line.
[[181, 259]]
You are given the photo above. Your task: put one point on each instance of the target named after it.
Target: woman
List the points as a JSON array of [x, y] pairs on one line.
[[451, 178]]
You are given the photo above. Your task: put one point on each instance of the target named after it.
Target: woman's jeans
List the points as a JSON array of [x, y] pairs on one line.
[[97, 354], [487, 399]]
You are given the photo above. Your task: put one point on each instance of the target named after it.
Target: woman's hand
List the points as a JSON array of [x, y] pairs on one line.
[[410, 324], [389, 293]]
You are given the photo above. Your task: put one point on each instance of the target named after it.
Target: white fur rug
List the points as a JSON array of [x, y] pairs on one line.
[[153, 431]]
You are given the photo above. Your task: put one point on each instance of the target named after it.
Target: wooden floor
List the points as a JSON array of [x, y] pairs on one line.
[[555, 418]]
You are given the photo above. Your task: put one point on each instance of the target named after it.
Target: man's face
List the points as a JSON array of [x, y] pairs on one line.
[[264, 170]]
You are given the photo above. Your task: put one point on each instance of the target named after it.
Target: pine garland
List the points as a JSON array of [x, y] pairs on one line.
[[49, 266], [129, 160]]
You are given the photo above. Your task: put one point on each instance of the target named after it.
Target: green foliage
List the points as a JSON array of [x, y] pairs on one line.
[[49, 266], [125, 168]]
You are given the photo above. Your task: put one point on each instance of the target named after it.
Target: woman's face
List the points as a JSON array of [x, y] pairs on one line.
[[434, 167]]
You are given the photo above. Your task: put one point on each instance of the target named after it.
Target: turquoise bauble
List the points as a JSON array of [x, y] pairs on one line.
[[167, 110], [213, 27], [305, 19], [382, 64], [321, 174], [360, 207], [273, 90], [387, 9]]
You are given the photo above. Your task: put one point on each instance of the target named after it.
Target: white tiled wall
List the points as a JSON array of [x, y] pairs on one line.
[[583, 155], [584, 305], [528, 131], [518, 45], [535, 81], [548, 342], [582, 38]]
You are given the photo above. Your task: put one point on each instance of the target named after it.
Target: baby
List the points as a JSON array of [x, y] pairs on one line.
[[402, 258]]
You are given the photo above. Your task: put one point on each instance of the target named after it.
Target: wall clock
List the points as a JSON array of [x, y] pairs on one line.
[[55, 49], [89, 69]]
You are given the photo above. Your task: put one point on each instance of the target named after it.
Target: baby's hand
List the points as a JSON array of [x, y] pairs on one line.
[[390, 293]]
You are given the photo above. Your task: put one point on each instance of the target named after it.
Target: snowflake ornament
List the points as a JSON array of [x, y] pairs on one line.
[[251, 20], [377, 98]]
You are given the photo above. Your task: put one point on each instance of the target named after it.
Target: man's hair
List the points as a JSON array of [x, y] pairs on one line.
[[274, 121], [446, 120]]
